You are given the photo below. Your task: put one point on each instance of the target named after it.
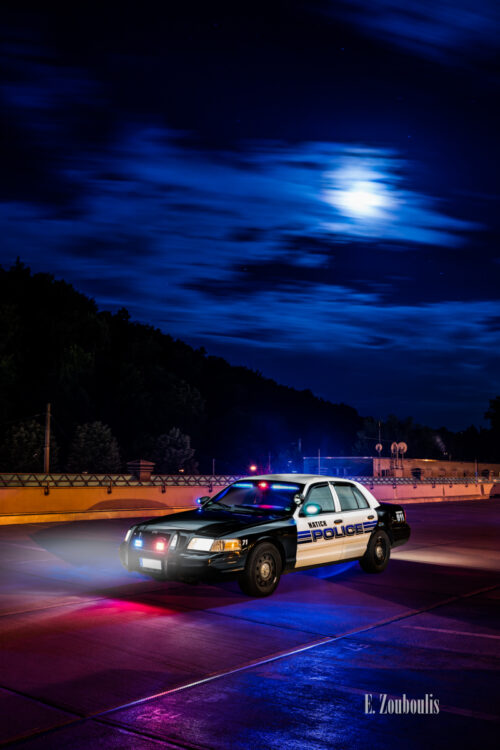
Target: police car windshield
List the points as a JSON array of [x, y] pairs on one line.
[[258, 496]]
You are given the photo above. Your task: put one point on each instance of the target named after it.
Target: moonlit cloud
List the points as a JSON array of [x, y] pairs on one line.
[[184, 212], [307, 202], [248, 253], [448, 30], [371, 199], [199, 215]]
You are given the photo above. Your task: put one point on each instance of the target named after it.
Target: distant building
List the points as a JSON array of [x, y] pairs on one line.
[[418, 468]]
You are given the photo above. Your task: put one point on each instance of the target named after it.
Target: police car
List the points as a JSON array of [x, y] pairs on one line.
[[258, 528]]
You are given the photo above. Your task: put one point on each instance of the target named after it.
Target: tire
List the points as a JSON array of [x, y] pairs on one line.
[[377, 553], [262, 572]]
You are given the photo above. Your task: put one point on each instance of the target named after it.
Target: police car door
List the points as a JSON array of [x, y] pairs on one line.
[[358, 519], [318, 540]]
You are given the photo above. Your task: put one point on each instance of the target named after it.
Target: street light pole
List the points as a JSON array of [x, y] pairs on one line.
[[46, 448]]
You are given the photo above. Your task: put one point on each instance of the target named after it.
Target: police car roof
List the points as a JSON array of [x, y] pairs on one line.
[[294, 478]]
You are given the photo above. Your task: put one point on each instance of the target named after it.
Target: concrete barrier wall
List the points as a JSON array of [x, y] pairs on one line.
[[409, 493], [33, 505], [37, 504]]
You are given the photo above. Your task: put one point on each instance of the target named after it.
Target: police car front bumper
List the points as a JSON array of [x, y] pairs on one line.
[[184, 565]]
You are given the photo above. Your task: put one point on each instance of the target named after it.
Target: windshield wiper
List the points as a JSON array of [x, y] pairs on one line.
[[243, 509]]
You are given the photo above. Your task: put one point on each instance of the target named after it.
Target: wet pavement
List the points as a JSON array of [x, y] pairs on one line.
[[95, 657]]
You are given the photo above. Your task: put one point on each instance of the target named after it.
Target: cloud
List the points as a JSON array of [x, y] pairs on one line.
[[193, 229], [267, 251], [311, 318], [452, 31], [371, 200], [200, 219]]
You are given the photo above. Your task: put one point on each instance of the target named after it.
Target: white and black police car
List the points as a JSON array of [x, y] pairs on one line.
[[258, 528]]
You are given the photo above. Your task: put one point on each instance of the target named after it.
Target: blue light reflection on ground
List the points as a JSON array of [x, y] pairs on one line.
[[328, 571]]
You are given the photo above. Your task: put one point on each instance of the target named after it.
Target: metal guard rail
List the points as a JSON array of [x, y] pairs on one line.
[[115, 480], [201, 480]]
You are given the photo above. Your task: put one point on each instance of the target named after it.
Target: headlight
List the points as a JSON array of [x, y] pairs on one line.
[[201, 543], [129, 533], [204, 544]]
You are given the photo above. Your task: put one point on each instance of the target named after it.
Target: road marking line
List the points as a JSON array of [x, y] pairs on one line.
[[452, 632], [218, 675], [103, 716], [293, 652]]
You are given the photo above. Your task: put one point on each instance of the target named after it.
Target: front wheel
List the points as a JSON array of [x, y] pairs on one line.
[[262, 572], [377, 553]]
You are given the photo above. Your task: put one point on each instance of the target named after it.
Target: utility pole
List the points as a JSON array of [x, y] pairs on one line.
[[213, 467], [380, 451], [46, 448]]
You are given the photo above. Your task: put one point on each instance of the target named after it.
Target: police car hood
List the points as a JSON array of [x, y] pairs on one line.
[[210, 522]]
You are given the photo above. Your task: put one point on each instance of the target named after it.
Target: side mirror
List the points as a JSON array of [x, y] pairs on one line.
[[312, 509], [298, 500], [203, 500]]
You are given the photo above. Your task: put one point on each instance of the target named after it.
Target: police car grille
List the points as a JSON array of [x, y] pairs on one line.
[[148, 540]]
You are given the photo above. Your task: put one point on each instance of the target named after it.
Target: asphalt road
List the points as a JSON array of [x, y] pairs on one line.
[[95, 657]]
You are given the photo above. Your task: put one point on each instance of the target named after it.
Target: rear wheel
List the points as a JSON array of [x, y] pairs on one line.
[[377, 553], [262, 572]]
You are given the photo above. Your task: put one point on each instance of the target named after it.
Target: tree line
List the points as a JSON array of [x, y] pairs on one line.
[[93, 449], [122, 390]]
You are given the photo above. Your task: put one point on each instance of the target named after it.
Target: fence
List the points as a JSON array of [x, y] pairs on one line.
[[115, 480], [204, 480]]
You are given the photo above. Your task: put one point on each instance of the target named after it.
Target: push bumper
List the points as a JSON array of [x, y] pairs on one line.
[[184, 566]]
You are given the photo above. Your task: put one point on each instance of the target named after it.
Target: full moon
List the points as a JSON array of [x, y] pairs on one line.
[[363, 199], [359, 192]]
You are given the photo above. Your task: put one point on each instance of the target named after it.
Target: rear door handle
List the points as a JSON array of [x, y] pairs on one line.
[[370, 517], [338, 520]]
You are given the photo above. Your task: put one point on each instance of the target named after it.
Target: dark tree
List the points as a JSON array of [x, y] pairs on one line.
[[493, 414], [22, 448], [173, 453], [94, 449]]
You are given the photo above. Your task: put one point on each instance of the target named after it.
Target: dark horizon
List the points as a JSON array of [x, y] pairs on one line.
[[306, 191]]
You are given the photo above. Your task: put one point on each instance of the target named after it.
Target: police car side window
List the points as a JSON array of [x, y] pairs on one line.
[[322, 496], [346, 497], [361, 499]]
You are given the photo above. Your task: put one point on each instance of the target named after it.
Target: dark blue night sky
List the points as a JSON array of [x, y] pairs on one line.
[[309, 189]]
